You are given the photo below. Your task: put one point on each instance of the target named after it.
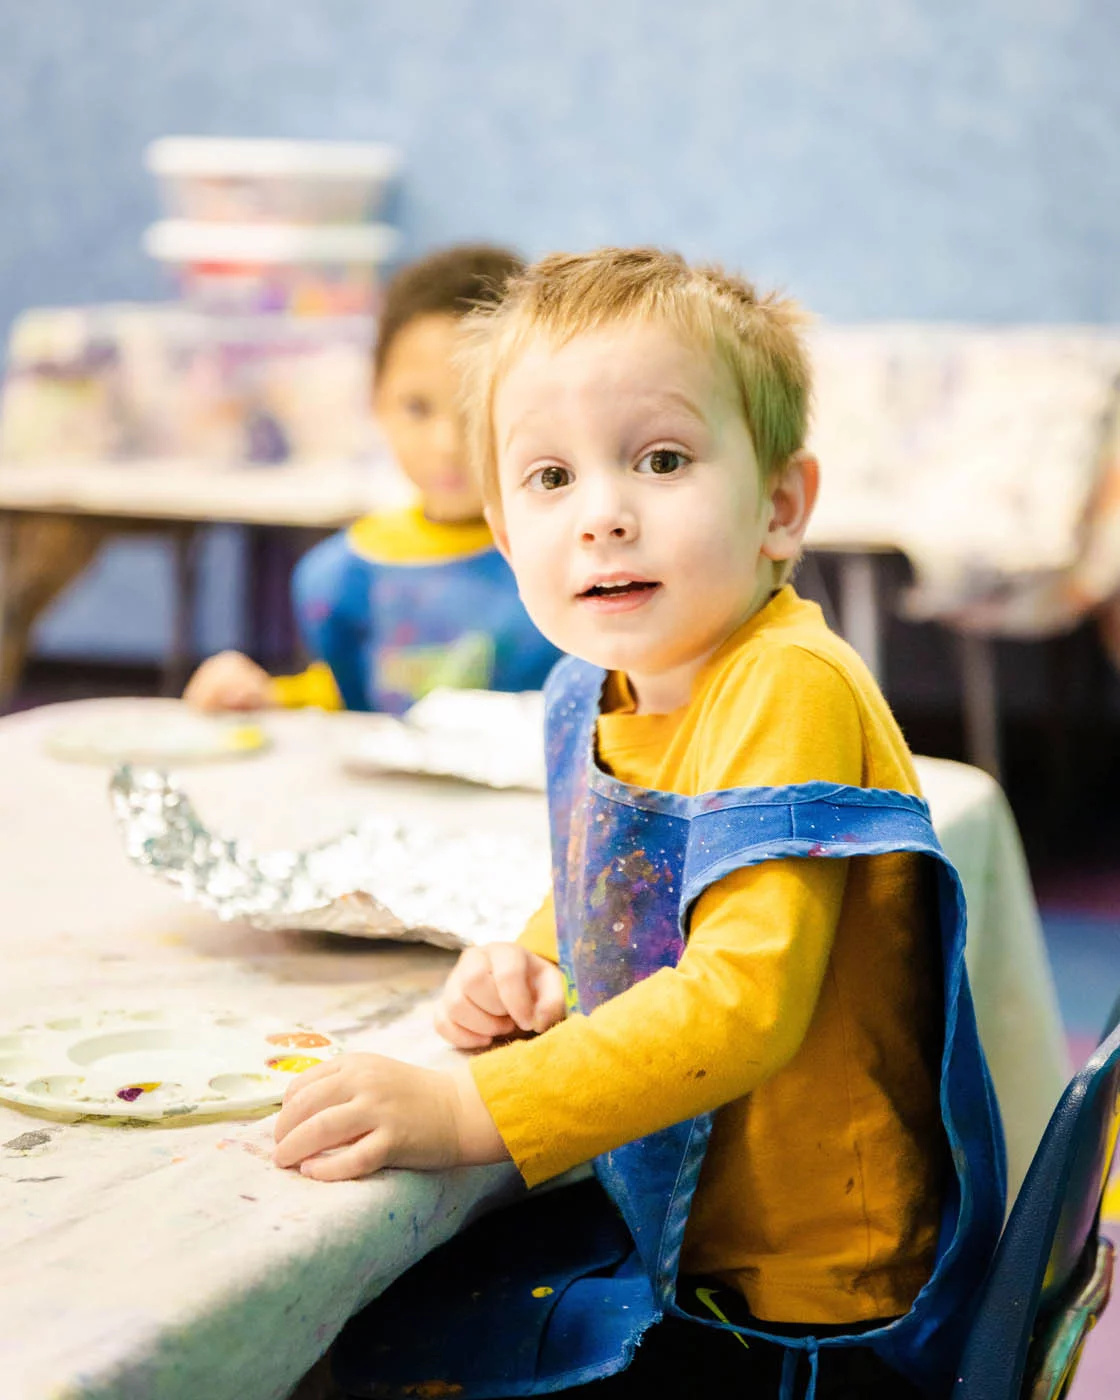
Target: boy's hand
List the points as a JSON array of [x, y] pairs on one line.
[[229, 681], [496, 990], [382, 1113]]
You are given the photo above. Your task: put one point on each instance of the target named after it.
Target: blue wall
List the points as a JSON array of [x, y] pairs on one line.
[[880, 158]]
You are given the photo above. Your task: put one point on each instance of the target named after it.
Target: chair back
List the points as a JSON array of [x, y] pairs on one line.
[[1050, 1270]]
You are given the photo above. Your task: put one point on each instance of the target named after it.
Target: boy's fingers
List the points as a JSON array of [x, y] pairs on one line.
[[201, 697], [458, 1036], [511, 973], [472, 1017], [310, 1076], [243, 700], [312, 1099], [475, 982], [366, 1155], [333, 1127], [550, 997], [242, 693]]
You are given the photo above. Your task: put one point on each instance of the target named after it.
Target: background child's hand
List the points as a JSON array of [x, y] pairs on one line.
[[498, 989], [229, 681], [378, 1113]]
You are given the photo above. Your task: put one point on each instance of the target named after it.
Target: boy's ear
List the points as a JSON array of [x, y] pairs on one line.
[[792, 496], [497, 525]]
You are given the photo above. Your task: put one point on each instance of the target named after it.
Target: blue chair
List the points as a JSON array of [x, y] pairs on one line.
[[1052, 1272]]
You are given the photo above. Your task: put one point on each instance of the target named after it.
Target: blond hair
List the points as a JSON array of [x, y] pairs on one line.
[[567, 294]]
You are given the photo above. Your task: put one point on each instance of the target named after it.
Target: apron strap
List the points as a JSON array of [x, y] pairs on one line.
[[814, 819]]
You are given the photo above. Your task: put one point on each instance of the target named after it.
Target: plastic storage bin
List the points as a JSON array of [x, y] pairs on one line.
[[104, 383], [292, 182], [247, 269]]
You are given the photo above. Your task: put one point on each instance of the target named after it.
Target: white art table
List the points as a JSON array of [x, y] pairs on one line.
[[176, 1263]]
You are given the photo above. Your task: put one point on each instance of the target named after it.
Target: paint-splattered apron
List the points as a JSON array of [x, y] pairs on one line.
[[566, 1301]]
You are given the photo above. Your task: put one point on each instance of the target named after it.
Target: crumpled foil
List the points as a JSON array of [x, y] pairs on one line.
[[383, 879]]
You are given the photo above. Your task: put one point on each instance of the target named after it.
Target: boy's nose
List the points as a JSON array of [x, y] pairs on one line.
[[608, 519]]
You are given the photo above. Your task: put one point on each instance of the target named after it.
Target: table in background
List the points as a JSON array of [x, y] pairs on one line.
[[174, 498], [176, 1262]]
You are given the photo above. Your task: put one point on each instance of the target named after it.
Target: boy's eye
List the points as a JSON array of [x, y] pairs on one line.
[[550, 478], [417, 408], [662, 461]]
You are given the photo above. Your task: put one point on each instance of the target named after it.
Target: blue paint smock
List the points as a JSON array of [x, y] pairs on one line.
[[568, 1306], [391, 629]]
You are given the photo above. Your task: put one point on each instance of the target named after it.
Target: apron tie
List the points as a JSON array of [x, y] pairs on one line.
[[790, 1358], [814, 1367], [789, 1374]]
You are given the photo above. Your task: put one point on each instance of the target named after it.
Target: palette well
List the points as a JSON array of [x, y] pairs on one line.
[[154, 1064]]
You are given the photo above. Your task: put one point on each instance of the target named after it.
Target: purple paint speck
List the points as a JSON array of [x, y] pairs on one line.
[[131, 1094]]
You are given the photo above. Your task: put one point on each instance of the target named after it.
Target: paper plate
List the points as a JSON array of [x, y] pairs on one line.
[[492, 738], [155, 1064], [153, 734]]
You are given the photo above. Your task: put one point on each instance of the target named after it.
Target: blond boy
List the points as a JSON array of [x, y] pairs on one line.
[[743, 907]]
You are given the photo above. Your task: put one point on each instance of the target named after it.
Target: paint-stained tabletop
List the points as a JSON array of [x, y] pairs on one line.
[[174, 1261]]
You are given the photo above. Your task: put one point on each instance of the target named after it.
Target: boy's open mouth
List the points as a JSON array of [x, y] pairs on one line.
[[619, 590]]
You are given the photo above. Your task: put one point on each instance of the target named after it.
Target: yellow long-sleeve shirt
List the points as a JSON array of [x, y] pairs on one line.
[[806, 1008]]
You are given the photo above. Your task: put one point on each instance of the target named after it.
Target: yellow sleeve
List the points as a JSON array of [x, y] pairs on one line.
[[737, 1006], [539, 934], [314, 687]]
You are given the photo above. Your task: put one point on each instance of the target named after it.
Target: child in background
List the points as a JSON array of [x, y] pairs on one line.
[[403, 602], [746, 1002]]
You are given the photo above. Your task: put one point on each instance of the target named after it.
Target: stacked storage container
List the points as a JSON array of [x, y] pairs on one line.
[[276, 251], [265, 357]]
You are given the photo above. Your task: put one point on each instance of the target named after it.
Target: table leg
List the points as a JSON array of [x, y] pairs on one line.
[[269, 627], [7, 584], [980, 701], [257, 585], [181, 655], [860, 613]]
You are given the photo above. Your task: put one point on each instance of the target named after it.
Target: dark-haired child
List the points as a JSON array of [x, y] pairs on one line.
[[408, 600]]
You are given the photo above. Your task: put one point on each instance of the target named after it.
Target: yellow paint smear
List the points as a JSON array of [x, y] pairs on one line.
[[246, 736], [294, 1064]]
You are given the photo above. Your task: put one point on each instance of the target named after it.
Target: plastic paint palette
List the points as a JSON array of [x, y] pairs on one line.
[[151, 735], [154, 1064]]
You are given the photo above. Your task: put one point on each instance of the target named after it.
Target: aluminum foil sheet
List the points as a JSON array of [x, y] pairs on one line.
[[383, 879]]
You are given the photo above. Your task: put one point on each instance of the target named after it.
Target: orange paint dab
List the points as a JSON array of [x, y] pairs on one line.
[[294, 1064], [298, 1040]]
